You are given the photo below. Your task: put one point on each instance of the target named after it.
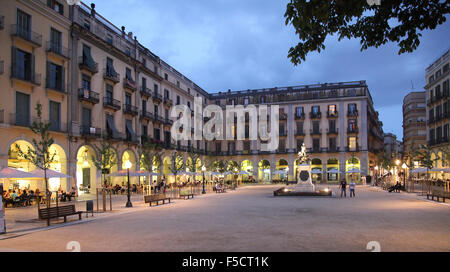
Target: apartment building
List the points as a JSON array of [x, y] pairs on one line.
[[437, 89], [414, 121], [393, 148], [101, 82], [34, 65]]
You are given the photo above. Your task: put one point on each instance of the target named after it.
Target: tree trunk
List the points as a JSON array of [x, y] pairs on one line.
[[48, 196]]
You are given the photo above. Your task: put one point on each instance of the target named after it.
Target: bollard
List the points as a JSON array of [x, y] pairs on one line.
[[104, 199], [110, 200]]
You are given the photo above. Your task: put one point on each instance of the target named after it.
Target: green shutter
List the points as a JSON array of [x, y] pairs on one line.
[[63, 79], [13, 60], [47, 76], [33, 70]]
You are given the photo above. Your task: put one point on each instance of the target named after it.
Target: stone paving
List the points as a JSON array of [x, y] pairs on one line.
[[251, 219]]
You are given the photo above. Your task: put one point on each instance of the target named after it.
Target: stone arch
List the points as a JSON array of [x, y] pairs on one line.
[[86, 172], [333, 170], [264, 173]]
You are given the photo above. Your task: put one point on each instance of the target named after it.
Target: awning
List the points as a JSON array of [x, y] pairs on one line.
[[11, 173], [112, 127], [50, 174], [124, 173], [316, 171], [130, 130]]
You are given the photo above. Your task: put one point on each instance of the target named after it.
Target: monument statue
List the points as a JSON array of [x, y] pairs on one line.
[[304, 181]]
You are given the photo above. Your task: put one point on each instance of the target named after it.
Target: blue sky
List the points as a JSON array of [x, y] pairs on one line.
[[238, 45]]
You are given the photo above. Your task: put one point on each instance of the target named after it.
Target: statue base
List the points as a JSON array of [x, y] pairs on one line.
[[304, 181]]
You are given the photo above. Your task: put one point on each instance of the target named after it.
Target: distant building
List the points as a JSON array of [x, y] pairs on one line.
[[414, 121], [392, 147], [437, 88]]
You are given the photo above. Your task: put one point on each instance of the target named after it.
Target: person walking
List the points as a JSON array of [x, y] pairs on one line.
[[343, 188], [352, 189]]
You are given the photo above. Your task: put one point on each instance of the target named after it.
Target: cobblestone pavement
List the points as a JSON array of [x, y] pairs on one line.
[[251, 219]]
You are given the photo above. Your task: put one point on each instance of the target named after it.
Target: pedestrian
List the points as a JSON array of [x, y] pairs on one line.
[[343, 188], [352, 188]]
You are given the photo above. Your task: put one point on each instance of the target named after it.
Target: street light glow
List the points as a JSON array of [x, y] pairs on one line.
[[128, 165]]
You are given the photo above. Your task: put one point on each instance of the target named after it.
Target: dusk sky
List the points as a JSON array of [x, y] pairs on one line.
[[239, 45]]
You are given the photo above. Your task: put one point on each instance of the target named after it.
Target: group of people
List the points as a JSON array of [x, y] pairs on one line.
[[343, 187], [22, 197], [67, 196]]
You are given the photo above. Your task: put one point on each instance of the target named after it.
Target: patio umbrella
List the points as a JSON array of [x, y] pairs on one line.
[[215, 174], [316, 171], [10, 173], [333, 171], [228, 173], [50, 174], [279, 172], [244, 173], [419, 170], [353, 171]]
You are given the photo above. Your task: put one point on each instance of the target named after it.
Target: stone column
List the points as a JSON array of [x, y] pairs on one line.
[[290, 127], [291, 165], [342, 164], [324, 171]]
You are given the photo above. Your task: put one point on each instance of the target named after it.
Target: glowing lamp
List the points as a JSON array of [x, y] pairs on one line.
[[128, 165]]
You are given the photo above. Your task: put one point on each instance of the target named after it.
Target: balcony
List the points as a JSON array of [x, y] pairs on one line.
[[33, 78], [88, 65], [168, 102], [157, 98], [88, 96], [431, 121], [332, 131], [300, 116], [57, 50], [333, 149], [316, 131], [129, 84], [300, 133], [111, 103], [353, 130], [34, 39], [145, 92], [283, 116], [145, 115], [353, 113], [316, 149], [90, 132], [158, 119], [130, 109], [332, 114], [283, 133], [315, 115], [353, 149], [168, 122], [111, 75]]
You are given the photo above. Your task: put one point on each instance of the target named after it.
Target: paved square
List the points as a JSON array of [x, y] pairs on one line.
[[251, 219]]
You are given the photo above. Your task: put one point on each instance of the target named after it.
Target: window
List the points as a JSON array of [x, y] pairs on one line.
[[299, 127], [331, 110], [430, 79], [316, 127], [178, 100], [438, 91], [299, 144], [156, 133], [87, 57], [166, 94], [332, 144], [110, 68], [218, 147], [23, 24], [144, 83], [282, 146], [109, 39], [352, 143], [439, 134], [22, 109], [166, 76], [86, 120], [352, 109], [55, 41], [131, 136], [315, 110], [144, 105], [87, 25], [128, 51], [55, 76], [128, 75], [299, 111], [58, 7], [246, 101], [178, 84], [86, 83], [155, 110], [23, 65], [144, 131], [263, 99], [332, 125], [446, 67], [316, 144], [55, 116], [189, 104], [127, 99], [156, 88], [352, 127]]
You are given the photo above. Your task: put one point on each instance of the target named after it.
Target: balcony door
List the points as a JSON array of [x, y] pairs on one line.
[[23, 24], [86, 119], [22, 109]]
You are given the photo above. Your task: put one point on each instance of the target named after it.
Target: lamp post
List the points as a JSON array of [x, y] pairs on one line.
[[128, 166], [235, 176], [398, 162], [376, 174], [404, 166], [203, 173]]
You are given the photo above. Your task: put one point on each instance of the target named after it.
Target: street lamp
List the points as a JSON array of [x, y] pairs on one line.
[[203, 172], [128, 166], [404, 166], [235, 176]]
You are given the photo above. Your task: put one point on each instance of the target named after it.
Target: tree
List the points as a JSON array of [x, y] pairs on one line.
[[40, 156], [150, 154], [425, 157], [192, 163], [398, 21], [106, 158], [177, 164]]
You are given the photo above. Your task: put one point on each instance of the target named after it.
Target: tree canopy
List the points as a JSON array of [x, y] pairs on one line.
[[398, 21]]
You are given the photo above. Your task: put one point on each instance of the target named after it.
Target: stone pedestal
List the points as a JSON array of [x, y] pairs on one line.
[[304, 181]]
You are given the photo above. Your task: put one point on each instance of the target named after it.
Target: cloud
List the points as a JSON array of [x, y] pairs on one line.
[[238, 45]]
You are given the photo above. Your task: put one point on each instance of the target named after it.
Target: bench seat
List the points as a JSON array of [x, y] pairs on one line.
[[156, 199], [56, 212]]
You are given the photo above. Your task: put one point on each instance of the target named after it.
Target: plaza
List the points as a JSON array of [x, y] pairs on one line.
[[251, 219]]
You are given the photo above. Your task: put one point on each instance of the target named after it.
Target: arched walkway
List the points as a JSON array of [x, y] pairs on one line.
[[247, 166], [264, 174], [333, 170], [282, 170], [353, 168], [316, 170], [86, 174]]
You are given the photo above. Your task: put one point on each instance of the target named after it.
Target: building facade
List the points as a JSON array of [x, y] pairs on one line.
[[414, 121], [100, 82], [437, 89], [393, 148]]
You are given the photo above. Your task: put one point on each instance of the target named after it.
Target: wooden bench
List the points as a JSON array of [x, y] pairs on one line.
[[220, 191], [186, 196], [156, 199], [438, 195], [56, 212]]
